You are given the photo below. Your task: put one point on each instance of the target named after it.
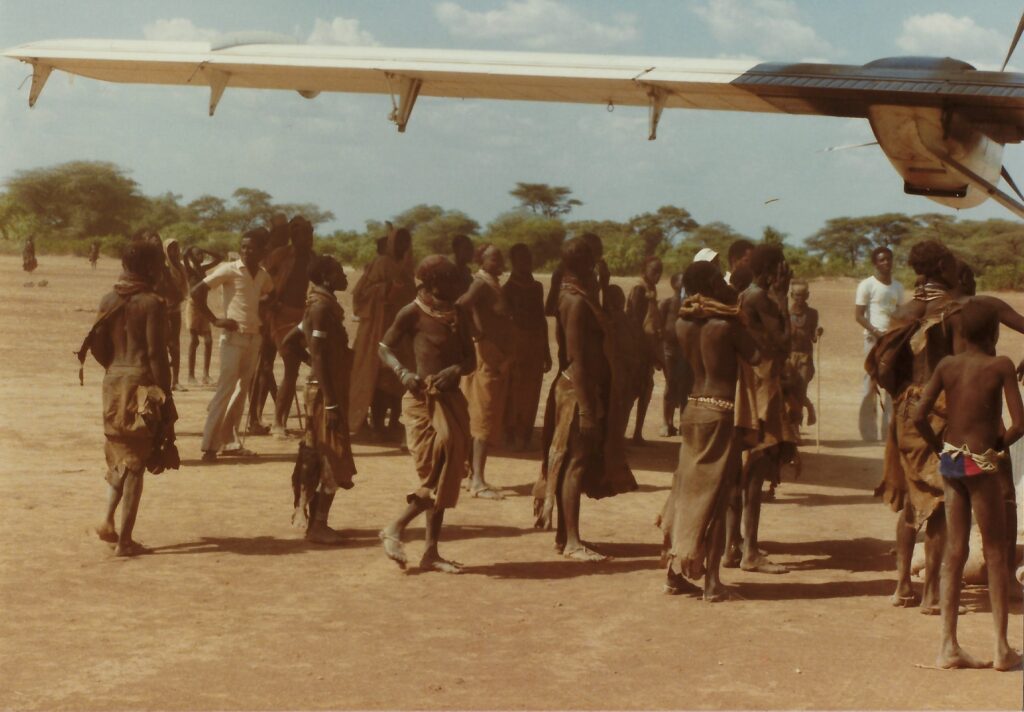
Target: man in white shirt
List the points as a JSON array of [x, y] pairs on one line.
[[245, 283], [877, 299]]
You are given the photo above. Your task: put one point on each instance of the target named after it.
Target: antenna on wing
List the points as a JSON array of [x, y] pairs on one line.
[[1013, 45]]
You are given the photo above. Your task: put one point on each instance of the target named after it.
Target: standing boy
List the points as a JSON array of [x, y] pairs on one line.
[[975, 471], [198, 326], [435, 411], [878, 297], [642, 308]]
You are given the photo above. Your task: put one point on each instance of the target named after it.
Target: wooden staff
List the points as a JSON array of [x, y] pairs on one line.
[[817, 422]]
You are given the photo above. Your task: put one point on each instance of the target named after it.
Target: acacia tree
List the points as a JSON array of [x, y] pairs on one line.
[[548, 200], [78, 199], [659, 229]]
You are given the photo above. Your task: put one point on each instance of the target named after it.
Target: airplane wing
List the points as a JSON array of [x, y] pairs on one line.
[[656, 82]]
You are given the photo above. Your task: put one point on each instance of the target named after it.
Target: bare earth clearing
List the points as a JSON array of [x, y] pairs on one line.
[[235, 611]]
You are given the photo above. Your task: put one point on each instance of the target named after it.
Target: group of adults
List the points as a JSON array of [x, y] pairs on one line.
[[454, 360]]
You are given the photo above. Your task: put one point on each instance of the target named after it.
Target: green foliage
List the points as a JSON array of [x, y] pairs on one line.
[[548, 200], [432, 228], [349, 247], [543, 235], [853, 238]]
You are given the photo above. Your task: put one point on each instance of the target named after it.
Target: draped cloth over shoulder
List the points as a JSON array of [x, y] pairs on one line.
[[911, 468], [604, 473], [386, 286], [486, 388], [138, 416]]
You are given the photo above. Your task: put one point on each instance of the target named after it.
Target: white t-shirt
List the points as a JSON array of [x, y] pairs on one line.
[[242, 292], [881, 301]]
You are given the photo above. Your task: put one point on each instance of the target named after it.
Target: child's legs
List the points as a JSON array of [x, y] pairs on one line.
[[958, 523], [986, 499]]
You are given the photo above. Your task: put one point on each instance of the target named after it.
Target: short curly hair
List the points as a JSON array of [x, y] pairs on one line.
[[765, 259], [141, 256], [320, 266], [577, 255], [699, 278], [928, 258], [435, 269]]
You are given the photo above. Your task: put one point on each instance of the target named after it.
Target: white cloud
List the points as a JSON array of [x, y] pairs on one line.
[[942, 34], [177, 29], [538, 24], [770, 27], [340, 31]]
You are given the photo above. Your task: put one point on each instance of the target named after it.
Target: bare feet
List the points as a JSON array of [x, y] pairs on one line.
[[436, 563], [300, 519], [259, 429], [936, 611], [192, 381], [954, 657], [279, 431], [209, 456], [393, 548], [582, 553], [677, 585], [904, 601], [485, 491], [320, 533], [130, 548], [716, 593], [762, 565], [1006, 660], [206, 381], [106, 532], [638, 440], [731, 558]]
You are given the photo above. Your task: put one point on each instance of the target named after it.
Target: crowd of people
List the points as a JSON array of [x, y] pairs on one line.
[[451, 363]]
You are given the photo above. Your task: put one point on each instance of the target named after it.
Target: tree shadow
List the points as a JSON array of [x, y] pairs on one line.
[[814, 500], [461, 532], [831, 470], [975, 598], [244, 546], [854, 555]]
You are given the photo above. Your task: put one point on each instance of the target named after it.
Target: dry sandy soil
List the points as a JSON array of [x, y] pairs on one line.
[[235, 611]]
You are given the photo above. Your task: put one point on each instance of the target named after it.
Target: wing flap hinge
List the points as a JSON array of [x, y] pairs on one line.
[[40, 73], [408, 91]]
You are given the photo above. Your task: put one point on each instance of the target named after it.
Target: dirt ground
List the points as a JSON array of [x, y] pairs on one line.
[[235, 611]]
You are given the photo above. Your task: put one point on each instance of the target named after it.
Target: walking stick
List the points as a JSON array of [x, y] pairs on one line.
[[817, 422]]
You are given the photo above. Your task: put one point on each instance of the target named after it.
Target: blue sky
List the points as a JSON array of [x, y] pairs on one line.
[[340, 152]]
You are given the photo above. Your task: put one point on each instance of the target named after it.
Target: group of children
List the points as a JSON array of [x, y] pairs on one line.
[[461, 357]]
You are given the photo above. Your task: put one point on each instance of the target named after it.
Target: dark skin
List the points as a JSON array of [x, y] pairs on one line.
[[798, 307], [196, 269], [141, 343], [765, 306], [589, 372], [636, 309], [493, 324], [975, 382], [522, 267], [251, 254], [442, 358], [303, 245], [320, 355], [883, 273], [713, 349], [174, 257], [674, 392]]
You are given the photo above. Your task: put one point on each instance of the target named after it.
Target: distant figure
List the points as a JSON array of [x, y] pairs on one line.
[[804, 333], [94, 253], [174, 288], [198, 325], [327, 430], [531, 355], [486, 389], [245, 283], [642, 308], [28, 255], [676, 370], [462, 255], [385, 287], [587, 454], [128, 339], [288, 267], [878, 297], [628, 339], [436, 338], [975, 471]]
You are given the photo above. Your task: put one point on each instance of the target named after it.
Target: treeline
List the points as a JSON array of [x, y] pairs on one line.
[[68, 206]]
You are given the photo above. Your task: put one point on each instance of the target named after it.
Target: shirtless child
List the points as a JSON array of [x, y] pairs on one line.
[[713, 340], [434, 410], [975, 471], [642, 308]]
